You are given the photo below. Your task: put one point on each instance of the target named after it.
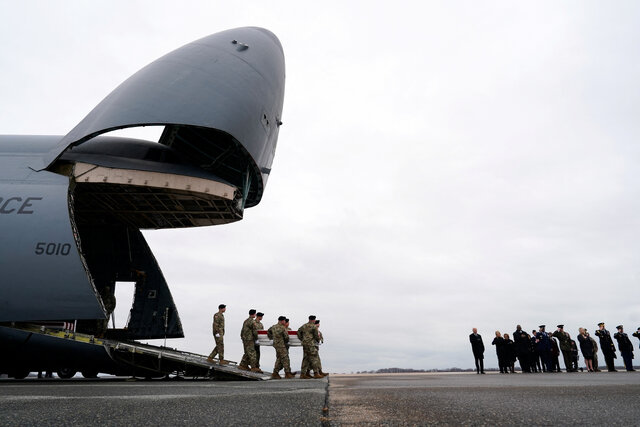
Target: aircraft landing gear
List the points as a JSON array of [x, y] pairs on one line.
[[19, 373], [89, 373], [66, 373]]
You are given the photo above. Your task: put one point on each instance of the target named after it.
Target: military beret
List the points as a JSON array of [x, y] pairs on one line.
[[318, 322], [286, 320], [312, 317], [601, 324], [542, 326], [222, 306], [252, 311], [619, 327], [258, 314], [281, 318], [561, 326]]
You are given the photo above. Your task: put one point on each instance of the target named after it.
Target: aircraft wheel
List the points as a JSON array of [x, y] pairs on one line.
[[89, 373], [65, 373], [19, 374]]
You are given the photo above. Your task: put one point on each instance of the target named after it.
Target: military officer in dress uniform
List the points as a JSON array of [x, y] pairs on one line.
[[608, 349], [218, 335], [565, 347], [625, 347], [477, 347], [544, 348], [637, 335]]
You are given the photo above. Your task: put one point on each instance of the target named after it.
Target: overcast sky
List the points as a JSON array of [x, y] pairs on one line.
[[442, 165]]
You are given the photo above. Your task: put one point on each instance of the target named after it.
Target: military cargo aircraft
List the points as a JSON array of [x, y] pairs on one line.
[[72, 206]]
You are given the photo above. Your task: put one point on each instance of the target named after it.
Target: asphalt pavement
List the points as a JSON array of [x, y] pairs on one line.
[[122, 402], [368, 399], [494, 399]]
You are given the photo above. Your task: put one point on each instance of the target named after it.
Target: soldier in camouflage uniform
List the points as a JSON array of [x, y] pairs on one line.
[[259, 327], [565, 347], [278, 333], [109, 302], [594, 361], [249, 335], [308, 335], [321, 341], [306, 366], [218, 335]]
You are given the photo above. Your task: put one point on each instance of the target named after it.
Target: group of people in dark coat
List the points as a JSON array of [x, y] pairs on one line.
[[540, 351]]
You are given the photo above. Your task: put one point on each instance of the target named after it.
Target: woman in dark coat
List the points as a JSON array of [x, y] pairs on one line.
[[498, 341], [586, 347], [509, 353]]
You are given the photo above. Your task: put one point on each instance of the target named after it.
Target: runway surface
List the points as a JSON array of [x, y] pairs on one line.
[[120, 402], [468, 399], [394, 399]]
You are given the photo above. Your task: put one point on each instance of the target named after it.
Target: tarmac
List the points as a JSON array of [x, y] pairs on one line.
[[156, 402], [339, 400], [603, 398]]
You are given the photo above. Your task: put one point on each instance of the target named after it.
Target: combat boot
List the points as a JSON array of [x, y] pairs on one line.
[[289, 375], [324, 374], [258, 370], [276, 376], [224, 362], [210, 359], [243, 367], [317, 375], [305, 377]]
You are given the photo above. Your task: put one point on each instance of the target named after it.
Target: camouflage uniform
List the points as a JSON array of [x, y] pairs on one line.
[[306, 366], [109, 302], [259, 327], [594, 361], [278, 333], [308, 335], [318, 347], [565, 346], [218, 328], [249, 335]]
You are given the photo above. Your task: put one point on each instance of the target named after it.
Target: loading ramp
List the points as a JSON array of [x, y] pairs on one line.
[[34, 347], [172, 361]]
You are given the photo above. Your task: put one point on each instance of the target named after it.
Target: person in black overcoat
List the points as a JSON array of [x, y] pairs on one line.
[[477, 346]]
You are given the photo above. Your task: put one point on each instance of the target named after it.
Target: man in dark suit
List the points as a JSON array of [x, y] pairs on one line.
[[477, 346]]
